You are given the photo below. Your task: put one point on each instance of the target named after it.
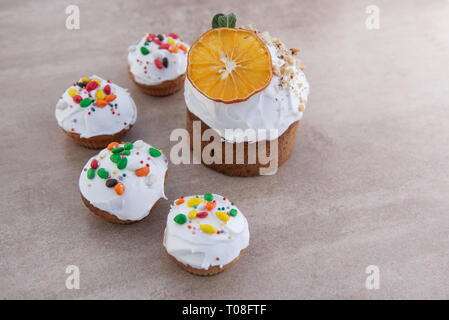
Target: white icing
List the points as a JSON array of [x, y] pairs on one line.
[[89, 123], [141, 193], [151, 75], [272, 108], [199, 249]]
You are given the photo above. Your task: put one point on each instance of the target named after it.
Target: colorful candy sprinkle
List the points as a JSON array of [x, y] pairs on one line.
[[101, 103], [173, 35], [223, 216], [90, 173], [192, 214], [142, 172], [111, 183], [117, 150], [193, 202], [122, 163], [171, 41], [179, 201], [103, 173], [154, 152], [160, 37], [233, 212], [92, 85], [107, 89], [115, 157], [119, 188], [164, 46], [158, 63], [208, 228], [180, 218], [165, 62], [110, 97], [202, 214], [86, 102], [210, 205], [128, 146], [72, 92], [112, 145], [208, 197], [77, 98], [144, 50], [94, 164]]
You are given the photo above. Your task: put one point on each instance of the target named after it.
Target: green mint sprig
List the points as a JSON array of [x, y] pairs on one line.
[[224, 21]]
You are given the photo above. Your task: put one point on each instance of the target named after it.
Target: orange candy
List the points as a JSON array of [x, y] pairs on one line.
[[112, 145], [142, 172], [110, 97], [173, 49], [183, 48], [179, 201], [210, 205], [101, 103], [119, 188]]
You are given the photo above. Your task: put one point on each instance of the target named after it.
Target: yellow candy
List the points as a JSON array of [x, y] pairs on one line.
[[97, 81], [85, 80], [223, 216], [194, 202], [100, 94], [192, 214], [208, 228], [72, 92], [171, 41]]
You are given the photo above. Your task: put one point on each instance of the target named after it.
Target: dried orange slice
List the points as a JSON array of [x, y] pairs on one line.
[[229, 65]]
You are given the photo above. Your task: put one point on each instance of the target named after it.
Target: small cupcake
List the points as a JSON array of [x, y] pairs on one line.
[[250, 85], [95, 112], [124, 182], [157, 63], [205, 234]]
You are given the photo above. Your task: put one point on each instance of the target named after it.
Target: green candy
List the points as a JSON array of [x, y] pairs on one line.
[[180, 218], [144, 51], [122, 163], [85, 102], [117, 150], [102, 173], [208, 197], [233, 212], [90, 173], [115, 158], [154, 152], [126, 152], [128, 146]]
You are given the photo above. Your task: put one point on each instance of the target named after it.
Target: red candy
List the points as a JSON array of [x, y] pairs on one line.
[[164, 46], [92, 85], [156, 40], [151, 37], [94, 164], [77, 98], [173, 35], [107, 89], [158, 63], [202, 214]]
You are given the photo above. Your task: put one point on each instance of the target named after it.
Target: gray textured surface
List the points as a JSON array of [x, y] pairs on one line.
[[366, 184]]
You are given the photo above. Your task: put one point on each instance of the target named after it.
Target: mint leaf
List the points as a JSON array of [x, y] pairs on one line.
[[231, 20], [224, 21], [215, 23]]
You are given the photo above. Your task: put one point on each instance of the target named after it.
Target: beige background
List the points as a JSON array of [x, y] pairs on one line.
[[366, 184]]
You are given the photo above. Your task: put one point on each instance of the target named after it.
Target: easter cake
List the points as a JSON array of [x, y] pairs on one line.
[[243, 80], [95, 112], [124, 182], [157, 63], [205, 234]]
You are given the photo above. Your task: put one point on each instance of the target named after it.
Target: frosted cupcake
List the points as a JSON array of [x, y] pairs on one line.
[[95, 112], [124, 182], [157, 63], [240, 78], [205, 234]]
